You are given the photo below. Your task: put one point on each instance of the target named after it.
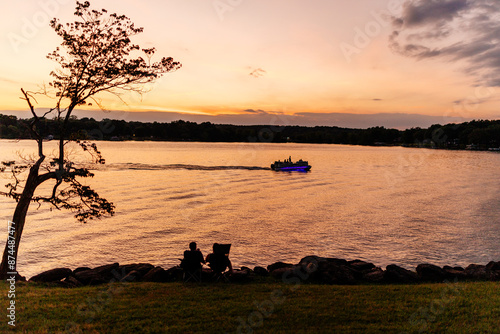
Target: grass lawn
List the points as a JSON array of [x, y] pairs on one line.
[[264, 307]]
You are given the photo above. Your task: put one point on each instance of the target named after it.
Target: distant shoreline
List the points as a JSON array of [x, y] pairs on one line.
[[415, 146], [481, 135]]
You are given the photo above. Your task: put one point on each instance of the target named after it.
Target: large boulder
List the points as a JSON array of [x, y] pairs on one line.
[[316, 260], [132, 276], [77, 270], [494, 269], [108, 271], [157, 274], [362, 266], [336, 275], [72, 282], [327, 270], [478, 272], [20, 278], [333, 271], [260, 271], [239, 276], [430, 273], [176, 273], [90, 277], [283, 273], [454, 273], [278, 265], [141, 269], [375, 275], [493, 266], [396, 274], [53, 275]]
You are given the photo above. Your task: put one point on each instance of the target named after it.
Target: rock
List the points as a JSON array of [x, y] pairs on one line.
[[477, 272], [132, 276], [20, 278], [396, 274], [375, 275], [141, 269], [77, 270], [322, 270], [454, 273], [336, 275], [331, 272], [316, 260], [278, 265], [294, 274], [261, 271], [281, 273], [311, 259], [90, 277], [327, 270], [361, 266], [430, 273], [53, 275], [157, 274], [109, 271], [175, 274], [239, 276], [493, 266], [494, 270], [72, 282]]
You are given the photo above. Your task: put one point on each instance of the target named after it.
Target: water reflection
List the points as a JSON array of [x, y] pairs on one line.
[[384, 205]]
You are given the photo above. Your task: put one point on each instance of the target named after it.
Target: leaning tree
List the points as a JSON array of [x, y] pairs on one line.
[[96, 56]]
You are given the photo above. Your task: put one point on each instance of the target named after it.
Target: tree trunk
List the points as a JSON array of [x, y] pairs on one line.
[[18, 221]]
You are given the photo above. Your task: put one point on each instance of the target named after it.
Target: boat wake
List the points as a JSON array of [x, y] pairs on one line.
[[139, 166]]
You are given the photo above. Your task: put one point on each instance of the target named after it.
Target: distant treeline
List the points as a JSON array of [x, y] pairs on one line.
[[481, 134]]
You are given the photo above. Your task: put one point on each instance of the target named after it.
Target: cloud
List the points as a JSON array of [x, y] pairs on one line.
[[257, 73], [251, 111], [465, 31], [9, 80], [425, 12]]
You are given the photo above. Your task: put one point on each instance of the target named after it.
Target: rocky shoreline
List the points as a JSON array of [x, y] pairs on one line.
[[311, 269]]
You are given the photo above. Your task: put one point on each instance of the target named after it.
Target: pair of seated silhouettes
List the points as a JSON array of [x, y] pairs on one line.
[[218, 260]]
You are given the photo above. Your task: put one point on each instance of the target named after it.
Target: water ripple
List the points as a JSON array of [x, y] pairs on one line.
[[140, 166]]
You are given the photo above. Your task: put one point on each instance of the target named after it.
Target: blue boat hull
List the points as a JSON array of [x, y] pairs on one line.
[[288, 165], [294, 168]]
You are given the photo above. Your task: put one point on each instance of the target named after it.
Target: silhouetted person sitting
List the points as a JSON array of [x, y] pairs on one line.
[[192, 263], [219, 261]]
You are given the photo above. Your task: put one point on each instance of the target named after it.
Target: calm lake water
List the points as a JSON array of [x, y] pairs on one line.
[[381, 204]]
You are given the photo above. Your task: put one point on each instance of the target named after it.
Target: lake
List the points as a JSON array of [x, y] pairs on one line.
[[381, 204]]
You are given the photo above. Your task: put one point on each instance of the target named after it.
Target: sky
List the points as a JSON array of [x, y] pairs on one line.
[[360, 63]]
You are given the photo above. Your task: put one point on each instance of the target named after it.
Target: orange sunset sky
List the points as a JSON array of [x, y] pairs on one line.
[[355, 63]]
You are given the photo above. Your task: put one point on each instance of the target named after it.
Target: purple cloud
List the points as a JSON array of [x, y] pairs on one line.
[[466, 31]]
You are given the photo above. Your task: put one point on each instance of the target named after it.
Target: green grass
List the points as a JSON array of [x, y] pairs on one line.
[[265, 307]]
